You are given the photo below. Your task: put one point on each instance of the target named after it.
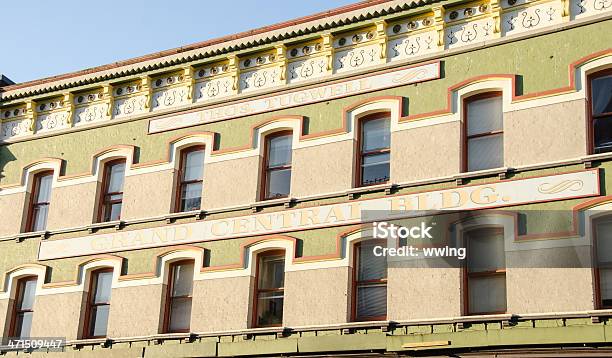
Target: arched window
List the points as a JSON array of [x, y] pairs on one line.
[[98, 303], [179, 297], [603, 262], [483, 132], [370, 283], [374, 149], [111, 197], [269, 289], [485, 272], [39, 201], [23, 308], [276, 181], [600, 111], [189, 191]]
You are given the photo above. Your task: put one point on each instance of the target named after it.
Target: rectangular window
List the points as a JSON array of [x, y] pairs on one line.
[[40, 200], [603, 271], [486, 271], [24, 308], [191, 179], [484, 132], [99, 303], [370, 283], [180, 290], [600, 110], [269, 290], [375, 150], [112, 196], [277, 164]]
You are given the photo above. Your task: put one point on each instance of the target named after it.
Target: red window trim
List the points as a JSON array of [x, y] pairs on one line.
[[180, 182], [361, 154], [257, 291], [18, 300], [266, 170], [467, 275], [90, 304], [596, 265], [103, 205], [34, 197], [170, 298], [464, 137], [356, 284], [590, 118]]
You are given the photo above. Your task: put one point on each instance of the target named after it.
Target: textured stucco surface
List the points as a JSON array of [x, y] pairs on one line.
[[318, 296], [322, 169], [136, 311], [221, 304]]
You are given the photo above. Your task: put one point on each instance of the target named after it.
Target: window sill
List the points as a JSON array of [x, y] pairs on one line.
[[286, 202], [117, 224], [32, 234]]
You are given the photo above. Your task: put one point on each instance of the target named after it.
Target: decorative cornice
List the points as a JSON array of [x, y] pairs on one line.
[[323, 21]]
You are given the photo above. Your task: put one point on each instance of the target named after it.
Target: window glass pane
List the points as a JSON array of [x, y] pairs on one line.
[[372, 301], [271, 272], [376, 134], [370, 267], [191, 196], [194, 166], [103, 284], [39, 217], [28, 291], [485, 152], [601, 92], [484, 115], [604, 242], [602, 133], [375, 169], [113, 212], [180, 314], [44, 188], [605, 286], [182, 279], [279, 183], [23, 324], [115, 178], [99, 320], [487, 294], [485, 250], [270, 308], [279, 151]]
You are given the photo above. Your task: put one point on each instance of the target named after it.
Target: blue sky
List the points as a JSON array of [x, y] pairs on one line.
[[45, 38]]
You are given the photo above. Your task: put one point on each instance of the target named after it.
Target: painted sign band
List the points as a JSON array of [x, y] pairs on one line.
[[505, 193], [300, 97]]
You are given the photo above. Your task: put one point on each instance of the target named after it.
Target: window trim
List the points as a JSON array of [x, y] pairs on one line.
[[17, 302], [105, 183], [33, 198], [170, 298], [180, 183], [360, 154], [355, 283], [256, 290], [265, 170], [89, 306], [466, 275], [595, 259], [589, 104], [464, 125]]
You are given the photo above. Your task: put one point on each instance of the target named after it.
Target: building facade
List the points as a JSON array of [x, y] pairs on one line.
[[210, 200]]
